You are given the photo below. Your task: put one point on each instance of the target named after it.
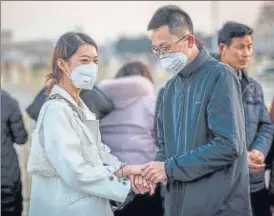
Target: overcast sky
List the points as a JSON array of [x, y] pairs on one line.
[[105, 21]]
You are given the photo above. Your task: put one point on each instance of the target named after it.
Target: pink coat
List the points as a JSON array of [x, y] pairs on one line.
[[129, 129]]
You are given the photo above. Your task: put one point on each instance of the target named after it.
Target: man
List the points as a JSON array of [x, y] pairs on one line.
[[235, 45], [200, 126]]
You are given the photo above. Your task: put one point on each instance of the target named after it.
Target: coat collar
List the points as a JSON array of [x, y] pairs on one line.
[[199, 61], [81, 107]]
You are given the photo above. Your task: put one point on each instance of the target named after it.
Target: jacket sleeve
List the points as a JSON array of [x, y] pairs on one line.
[[97, 102], [34, 108], [225, 121], [158, 127], [264, 136], [63, 148], [18, 131]]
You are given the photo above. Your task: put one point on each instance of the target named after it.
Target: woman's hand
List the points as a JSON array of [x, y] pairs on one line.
[[140, 186], [128, 170]]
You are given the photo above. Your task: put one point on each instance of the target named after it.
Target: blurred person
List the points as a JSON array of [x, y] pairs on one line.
[[73, 172], [12, 131], [200, 125], [129, 129], [95, 100], [236, 48], [271, 160]]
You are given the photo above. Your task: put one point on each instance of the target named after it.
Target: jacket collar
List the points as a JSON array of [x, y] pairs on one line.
[[245, 76], [81, 108], [199, 61]]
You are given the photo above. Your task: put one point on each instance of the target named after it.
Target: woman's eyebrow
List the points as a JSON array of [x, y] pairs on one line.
[[85, 56]]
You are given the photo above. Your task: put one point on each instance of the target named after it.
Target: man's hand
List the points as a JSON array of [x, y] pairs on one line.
[[258, 156], [154, 172], [255, 160]]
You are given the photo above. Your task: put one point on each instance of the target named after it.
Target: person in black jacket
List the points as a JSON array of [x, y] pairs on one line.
[[12, 131], [236, 48], [95, 100]]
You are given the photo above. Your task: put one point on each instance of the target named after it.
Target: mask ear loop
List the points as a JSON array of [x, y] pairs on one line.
[[67, 74]]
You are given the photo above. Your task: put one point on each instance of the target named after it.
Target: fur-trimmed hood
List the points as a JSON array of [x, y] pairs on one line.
[[127, 90]]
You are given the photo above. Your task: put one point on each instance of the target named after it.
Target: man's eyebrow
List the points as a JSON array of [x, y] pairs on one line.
[[161, 44]]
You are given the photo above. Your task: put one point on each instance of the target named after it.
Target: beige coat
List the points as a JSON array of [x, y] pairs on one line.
[[72, 170]]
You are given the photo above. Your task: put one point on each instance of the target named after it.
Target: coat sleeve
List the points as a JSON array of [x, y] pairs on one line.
[[108, 158], [63, 148], [225, 121], [18, 131], [34, 108], [264, 136], [158, 127]]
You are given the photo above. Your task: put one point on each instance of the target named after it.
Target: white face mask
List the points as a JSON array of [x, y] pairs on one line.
[[173, 62], [84, 76]]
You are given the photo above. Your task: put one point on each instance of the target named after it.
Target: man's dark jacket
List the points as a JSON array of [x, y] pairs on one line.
[[201, 133], [258, 124]]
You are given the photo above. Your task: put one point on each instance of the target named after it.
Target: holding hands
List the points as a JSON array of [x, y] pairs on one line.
[[144, 178]]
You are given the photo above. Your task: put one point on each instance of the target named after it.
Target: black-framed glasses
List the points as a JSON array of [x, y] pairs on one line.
[[166, 49]]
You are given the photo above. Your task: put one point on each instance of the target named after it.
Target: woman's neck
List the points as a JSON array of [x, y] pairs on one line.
[[74, 92]]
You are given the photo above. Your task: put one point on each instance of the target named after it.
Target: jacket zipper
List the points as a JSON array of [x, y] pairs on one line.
[[244, 107], [185, 103]]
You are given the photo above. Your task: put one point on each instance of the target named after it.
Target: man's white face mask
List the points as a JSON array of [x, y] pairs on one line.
[[173, 62]]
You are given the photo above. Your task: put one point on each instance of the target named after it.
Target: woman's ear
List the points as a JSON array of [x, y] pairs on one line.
[[61, 65]]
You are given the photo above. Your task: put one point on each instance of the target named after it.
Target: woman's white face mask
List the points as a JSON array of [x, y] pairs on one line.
[[84, 76]]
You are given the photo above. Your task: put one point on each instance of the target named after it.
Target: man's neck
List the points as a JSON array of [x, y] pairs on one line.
[[195, 53]]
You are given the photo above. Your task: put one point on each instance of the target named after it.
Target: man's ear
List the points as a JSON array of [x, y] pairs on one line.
[[222, 47], [223, 50], [191, 41]]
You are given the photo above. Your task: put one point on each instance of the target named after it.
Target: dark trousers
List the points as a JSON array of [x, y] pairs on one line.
[[144, 205], [11, 200], [260, 203]]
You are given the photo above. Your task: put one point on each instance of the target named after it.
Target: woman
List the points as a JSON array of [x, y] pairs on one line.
[[129, 129], [12, 131], [73, 172]]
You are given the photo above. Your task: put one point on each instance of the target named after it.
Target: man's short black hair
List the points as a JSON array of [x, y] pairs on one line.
[[232, 30], [174, 17]]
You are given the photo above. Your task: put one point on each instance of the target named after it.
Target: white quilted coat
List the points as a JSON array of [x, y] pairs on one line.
[[72, 170]]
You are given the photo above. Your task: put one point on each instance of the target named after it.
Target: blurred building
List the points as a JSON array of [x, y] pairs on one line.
[[264, 31], [30, 54]]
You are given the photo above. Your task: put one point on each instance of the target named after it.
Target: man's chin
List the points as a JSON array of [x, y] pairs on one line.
[[243, 67]]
